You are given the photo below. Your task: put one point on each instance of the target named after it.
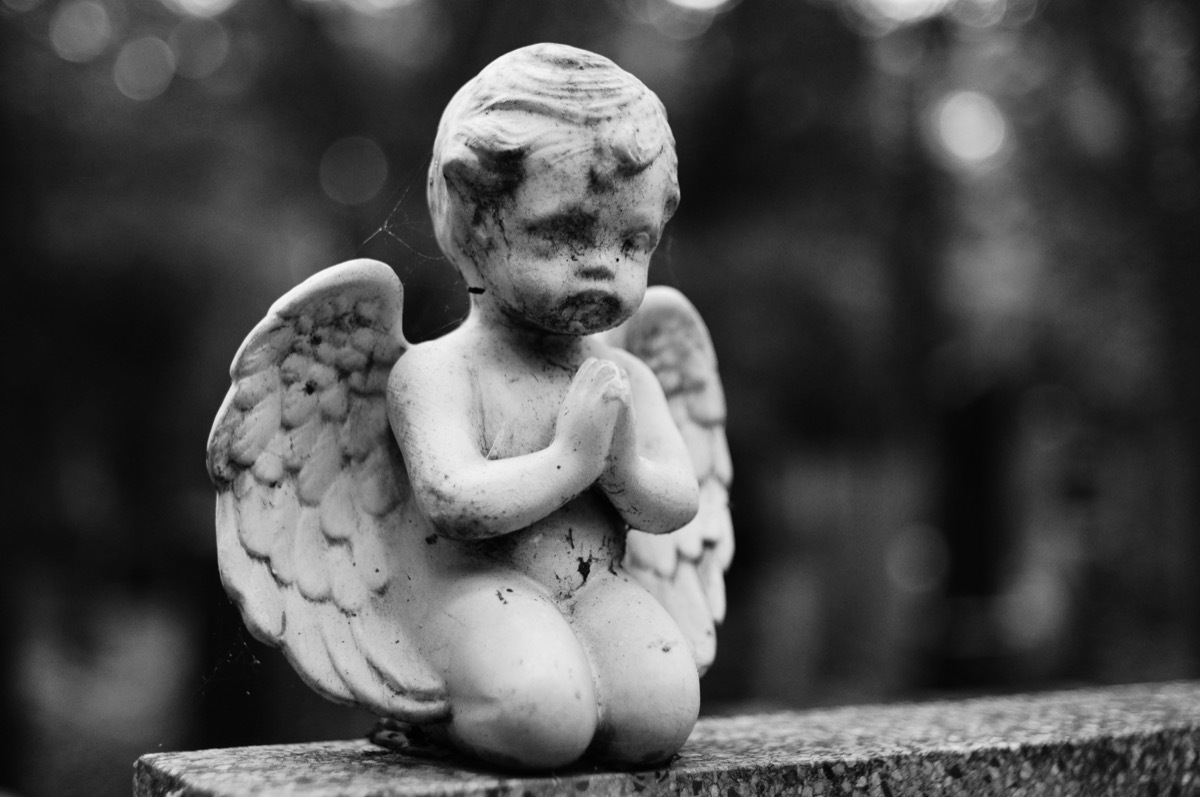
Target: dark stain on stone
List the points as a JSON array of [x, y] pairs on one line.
[[599, 182], [476, 291], [574, 227], [506, 170], [500, 595], [431, 539], [562, 60], [585, 568]]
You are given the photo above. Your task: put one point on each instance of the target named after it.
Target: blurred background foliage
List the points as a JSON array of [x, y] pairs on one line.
[[947, 250]]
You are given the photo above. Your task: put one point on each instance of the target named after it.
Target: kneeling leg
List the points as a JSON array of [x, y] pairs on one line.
[[646, 680], [520, 685]]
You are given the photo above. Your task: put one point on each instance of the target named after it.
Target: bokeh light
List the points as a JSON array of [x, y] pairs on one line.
[[902, 11], [979, 13], [1034, 610], [969, 127], [700, 5], [80, 30], [353, 170], [392, 36], [378, 6], [144, 68], [916, 559], [680, 20], [200, 47], [199, 8]]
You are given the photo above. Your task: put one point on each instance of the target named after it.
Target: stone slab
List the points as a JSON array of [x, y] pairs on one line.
[[1141, 739]]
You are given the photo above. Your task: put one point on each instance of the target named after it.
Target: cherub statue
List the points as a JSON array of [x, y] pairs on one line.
[[512, 537]]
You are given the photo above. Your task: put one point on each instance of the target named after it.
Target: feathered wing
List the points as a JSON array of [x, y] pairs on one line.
[[314, 510], [685, 569]]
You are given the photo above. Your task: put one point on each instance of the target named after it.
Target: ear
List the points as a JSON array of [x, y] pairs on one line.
[[477, 174], [461, 171]]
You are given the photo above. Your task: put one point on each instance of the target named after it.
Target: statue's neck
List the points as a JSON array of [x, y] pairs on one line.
[[526, 340]]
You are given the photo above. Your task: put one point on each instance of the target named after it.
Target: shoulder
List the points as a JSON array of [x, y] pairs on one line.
[[438, 367]]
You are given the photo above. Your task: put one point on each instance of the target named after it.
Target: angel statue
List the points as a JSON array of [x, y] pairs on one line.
[[511, 539]]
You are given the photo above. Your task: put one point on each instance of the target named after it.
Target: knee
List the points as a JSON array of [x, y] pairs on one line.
[[535, 714], [521, 694], [645, 719], [647, 682]]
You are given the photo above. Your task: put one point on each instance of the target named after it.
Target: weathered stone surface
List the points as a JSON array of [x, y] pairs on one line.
[[1116, 741]]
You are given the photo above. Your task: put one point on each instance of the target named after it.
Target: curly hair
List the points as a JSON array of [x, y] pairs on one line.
[[544, 98]]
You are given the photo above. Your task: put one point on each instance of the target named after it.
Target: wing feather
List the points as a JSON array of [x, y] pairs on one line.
[[685, 570], [245, 576], [255, 430], [309, 553], [313, 517], [339, 521], [323, 466], [263, 515], [262, 353], [300, 443], [255, 387], [334, 402]]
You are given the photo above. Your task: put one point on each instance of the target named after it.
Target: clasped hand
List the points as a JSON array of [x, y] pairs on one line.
[[595, 423]]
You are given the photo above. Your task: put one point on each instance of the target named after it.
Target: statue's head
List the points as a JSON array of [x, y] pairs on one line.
[[533, 109]]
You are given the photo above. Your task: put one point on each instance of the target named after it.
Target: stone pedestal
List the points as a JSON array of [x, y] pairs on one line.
[[1115, 741]]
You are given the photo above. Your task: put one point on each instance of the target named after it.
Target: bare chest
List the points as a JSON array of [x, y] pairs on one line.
[[519, 410]]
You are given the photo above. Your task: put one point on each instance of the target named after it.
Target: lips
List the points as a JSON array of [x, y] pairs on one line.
[[590, 311]]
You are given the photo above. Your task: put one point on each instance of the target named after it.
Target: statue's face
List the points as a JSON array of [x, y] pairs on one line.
[[570, 252]]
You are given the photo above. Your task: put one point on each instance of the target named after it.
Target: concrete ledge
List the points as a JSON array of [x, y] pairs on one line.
[[1115, 741]]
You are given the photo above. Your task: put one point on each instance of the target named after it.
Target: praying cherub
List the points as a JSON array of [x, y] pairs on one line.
[[513, 536]]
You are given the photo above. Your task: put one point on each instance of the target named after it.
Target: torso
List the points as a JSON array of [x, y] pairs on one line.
[[518, 402]]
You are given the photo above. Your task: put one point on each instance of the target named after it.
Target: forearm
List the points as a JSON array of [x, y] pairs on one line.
[[489, 498], [654, 497]]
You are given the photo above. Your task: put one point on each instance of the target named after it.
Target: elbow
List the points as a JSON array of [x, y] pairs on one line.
[[451, 526], [452, 516], [688, 506], [674, 511]]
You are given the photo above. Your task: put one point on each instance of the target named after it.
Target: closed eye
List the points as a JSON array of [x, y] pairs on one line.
[[571, 227], [640, 242]]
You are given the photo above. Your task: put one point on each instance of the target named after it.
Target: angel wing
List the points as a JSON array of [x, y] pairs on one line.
[[313, 502], [685, 570]]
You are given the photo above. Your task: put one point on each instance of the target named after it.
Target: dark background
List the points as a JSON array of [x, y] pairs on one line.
[[947, 250]]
